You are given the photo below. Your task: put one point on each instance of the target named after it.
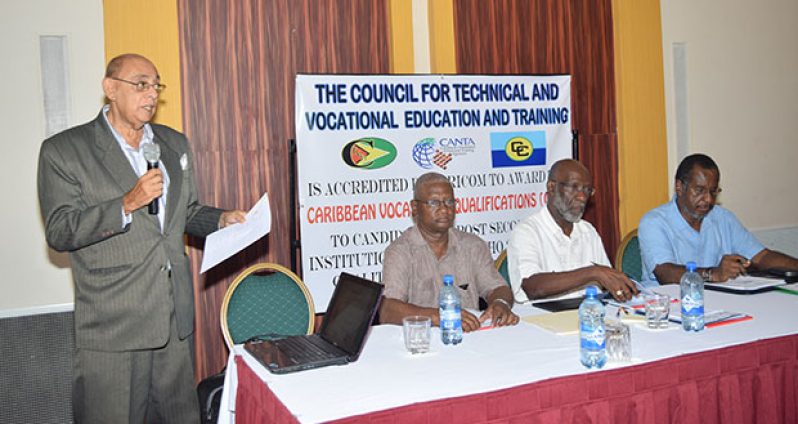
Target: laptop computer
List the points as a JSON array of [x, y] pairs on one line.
[[343, 333]]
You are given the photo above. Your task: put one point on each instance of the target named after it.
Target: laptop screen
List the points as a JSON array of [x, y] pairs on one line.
[[349, 314]]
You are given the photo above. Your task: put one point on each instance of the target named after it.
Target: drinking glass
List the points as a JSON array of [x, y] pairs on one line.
[[658, 308], [618, 341], [417, 333]]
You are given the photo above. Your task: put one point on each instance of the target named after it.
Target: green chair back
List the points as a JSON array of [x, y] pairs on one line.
[[501, 266], [266, 300], [628, 258]]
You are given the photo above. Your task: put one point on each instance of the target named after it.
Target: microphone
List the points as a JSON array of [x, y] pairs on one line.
[[152, 154]]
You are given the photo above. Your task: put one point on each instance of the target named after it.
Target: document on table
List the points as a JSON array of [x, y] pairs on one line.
[[636, 302], [746, 283], [713, 318], [228, 241], [561, 323]]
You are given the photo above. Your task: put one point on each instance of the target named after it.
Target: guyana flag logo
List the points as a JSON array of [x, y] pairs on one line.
[[368, 153]]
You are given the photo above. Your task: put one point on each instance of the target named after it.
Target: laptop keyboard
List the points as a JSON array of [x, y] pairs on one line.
[[304, 349]]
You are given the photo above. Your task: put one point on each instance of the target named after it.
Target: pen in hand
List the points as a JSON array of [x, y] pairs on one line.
[[745, 262], [643, 289]]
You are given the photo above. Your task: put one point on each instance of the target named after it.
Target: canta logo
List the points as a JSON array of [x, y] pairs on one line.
[[368, 153], [518, 148], [427, 155]]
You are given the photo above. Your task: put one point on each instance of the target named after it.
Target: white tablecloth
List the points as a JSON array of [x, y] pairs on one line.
[[386, 376]]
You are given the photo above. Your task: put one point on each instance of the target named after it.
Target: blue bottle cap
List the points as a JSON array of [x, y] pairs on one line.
[[690, 266], [448, 280], [591, 291]]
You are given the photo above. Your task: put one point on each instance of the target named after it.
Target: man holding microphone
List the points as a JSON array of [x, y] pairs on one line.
[[134, 301]]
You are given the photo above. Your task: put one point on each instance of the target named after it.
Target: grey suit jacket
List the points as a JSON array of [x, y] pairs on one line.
[[124, 294]]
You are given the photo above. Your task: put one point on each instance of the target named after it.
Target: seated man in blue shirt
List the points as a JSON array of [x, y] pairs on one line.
[[692, 228]]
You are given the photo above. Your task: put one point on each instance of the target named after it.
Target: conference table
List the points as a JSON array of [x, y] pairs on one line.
[[741, 372]]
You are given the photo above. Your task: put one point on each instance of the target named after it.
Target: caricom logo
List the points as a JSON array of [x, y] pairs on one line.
[[427, 155], [520, 148], [368, 153]]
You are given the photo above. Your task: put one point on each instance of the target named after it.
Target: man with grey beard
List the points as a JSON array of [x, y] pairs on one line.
[[556, 253]]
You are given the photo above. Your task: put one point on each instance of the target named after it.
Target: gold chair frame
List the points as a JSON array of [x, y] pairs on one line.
[[499, 259], [252, 270], [622, 248]]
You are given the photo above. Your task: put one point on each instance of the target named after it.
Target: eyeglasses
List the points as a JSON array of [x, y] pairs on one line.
[[142, 86], [435, 203], [700, 191], [571, 188]]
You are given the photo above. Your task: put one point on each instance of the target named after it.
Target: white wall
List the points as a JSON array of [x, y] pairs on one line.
[[742, 101], [32, 274]]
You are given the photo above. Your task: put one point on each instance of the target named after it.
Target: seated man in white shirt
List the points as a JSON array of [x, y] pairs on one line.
[[554, 253]]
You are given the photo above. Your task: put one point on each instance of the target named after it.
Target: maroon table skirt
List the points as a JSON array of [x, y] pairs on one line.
[[751, 383]]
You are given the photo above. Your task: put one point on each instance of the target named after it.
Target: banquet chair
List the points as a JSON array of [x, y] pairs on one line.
[[266, 300], [627, 258], [501, 265]]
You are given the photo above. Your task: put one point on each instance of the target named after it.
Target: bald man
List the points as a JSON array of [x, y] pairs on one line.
[[134, 300], [554, 252], [416, 262]]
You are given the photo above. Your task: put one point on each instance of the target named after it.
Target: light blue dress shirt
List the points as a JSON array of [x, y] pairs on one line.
[[666, 237], [139, 165]]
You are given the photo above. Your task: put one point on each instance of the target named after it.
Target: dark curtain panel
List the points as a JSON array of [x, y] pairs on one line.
[[555, 37], [239, 60]]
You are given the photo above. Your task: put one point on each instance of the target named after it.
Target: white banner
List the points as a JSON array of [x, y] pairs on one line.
[[363, 140]]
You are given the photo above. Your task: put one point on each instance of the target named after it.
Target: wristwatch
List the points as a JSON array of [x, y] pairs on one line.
[[505, 303], [706, 274]]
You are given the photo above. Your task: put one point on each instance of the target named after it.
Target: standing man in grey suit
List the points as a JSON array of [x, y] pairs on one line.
[[134, 301]]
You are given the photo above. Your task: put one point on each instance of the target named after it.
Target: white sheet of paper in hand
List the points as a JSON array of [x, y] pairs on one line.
[[230, 240]]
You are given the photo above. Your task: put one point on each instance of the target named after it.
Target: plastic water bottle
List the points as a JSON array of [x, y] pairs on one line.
[[592, 346], [692, 295], [449, 304]]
